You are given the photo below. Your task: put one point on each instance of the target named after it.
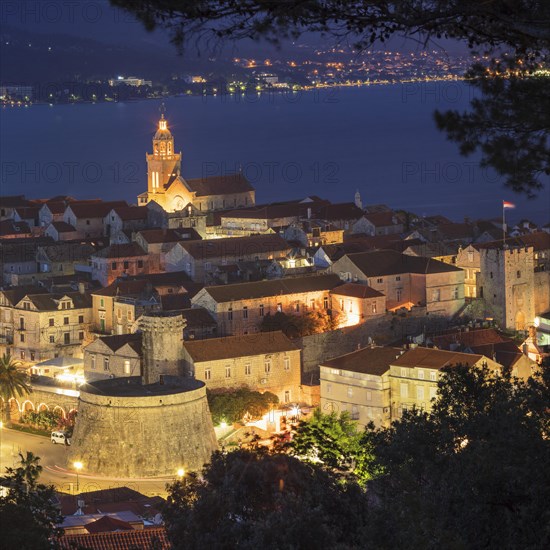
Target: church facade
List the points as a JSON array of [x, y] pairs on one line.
[[167, 187]]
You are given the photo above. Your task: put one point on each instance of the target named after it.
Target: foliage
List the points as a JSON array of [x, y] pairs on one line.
[[234, 406], [45, 420], [253, 499], [473, 473], [13, 382], [27, 514], [334, 441], [296, 326]]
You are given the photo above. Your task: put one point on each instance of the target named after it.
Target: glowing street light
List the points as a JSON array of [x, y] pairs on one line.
[[78, 466], [181, 473]]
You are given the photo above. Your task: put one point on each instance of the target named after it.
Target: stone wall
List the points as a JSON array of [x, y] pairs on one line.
[[151, 432]]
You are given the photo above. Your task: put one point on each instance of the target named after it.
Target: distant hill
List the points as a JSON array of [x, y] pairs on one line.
[[32, 58]]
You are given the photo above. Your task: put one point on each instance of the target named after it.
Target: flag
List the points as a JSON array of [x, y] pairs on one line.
[[506, 204]]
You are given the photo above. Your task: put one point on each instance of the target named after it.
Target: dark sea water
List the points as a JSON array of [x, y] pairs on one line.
[[380, 140]]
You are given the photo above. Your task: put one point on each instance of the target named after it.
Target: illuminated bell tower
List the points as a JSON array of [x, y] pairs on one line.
[[164, 164]]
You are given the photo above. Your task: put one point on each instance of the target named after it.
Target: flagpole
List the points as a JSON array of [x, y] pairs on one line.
[[503, 226]]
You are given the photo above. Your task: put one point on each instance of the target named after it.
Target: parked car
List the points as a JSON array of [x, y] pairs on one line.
[[60, 437]]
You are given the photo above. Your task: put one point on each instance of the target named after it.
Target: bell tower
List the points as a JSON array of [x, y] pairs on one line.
[[163, 165]]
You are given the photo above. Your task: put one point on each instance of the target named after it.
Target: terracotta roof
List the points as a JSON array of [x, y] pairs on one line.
[[453, 231], [155, 236], [50, 302], [356, 290], [126, 250], [117, 341], [142, 539], [219, 185], [107, 524], [505, 353], [16, 294], [265, 212], [273, 287], [260, 343], [435, 358], [198, 317], [341, 211], [370, 360], [235, 246], [27, 212], [381, 219], [63, 227], [175, 302], [94, 209], [55, 207], [126, 213], [468, 338], [389, 262], [12, 201], [123, 288], [11, 227], [539, 241]]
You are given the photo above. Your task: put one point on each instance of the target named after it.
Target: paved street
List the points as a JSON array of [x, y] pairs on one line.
[[56, 471]]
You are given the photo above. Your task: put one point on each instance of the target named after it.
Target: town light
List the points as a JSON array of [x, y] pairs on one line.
[[78, 466], [181, 473]]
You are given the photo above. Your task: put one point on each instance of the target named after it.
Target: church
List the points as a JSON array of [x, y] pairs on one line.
[[167, 187]]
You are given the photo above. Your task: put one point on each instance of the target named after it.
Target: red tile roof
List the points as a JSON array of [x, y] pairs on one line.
[[142, 539], [381, 219], [94, 209], [341, 211], [126, 250], [219, 185], [370, 360], [107, 524], [435, 358], [356, 290], [63, 227], [126, 213]]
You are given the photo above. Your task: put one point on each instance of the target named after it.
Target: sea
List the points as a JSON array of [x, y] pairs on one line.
[[380, 140]]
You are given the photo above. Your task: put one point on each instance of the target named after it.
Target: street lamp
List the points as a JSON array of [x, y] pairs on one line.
[[77, 466], [181, 473]]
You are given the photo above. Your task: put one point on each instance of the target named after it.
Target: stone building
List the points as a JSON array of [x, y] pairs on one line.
[[469, 260], [405, 280], [267, 361], [240, 308], [88, 217], [149, 425], [113, 357], [172, 192], [119, 260], [355, 303]]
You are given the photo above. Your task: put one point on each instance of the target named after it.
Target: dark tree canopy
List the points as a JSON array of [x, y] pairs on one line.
[[509, 125]]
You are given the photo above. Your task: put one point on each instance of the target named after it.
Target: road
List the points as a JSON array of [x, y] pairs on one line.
[[53, 458]]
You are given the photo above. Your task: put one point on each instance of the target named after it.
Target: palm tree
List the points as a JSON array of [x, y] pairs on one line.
[[13, 382]]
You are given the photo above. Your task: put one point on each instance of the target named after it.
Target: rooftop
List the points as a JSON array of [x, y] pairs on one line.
[[260, 343], [219, 185], [356, 290], [430, 358], [369, 360], [131, 386]]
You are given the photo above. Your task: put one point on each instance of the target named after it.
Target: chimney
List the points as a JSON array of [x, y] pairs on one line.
[[309, 213]]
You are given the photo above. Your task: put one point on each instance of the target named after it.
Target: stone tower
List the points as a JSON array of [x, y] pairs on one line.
[[162, 345], [148, 425], [506, 284]]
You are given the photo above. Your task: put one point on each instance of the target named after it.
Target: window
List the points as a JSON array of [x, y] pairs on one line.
[[518, 274], [421, 374], [279, 307], [126, 265], [65, 320], [420, 392], [312, 304], [66, 338], [350, 391], [455, 293], [140, 264], [52, 339], [245, 312], [374, 307], [92, 361], [398, 294], [230, 314], [433, 376], [87, 222], [329, 388], [287, 363], [113, 265], [207, 374], [470, 256], [101, 303], [22, 355], [22, 323], [105, 363], [81, 335], [398, 278], [491, 275], [51, 322], [354, 412], [297, 307], [22, 337], [129, 315], [404, 390], [207, 266], [287, 396], [267, 366], [433, 393], [325, 302], [261, 310], [247, 369], [436, 295], [80, 319], [126, 366], [380, 280], [403, 372], [228, 371]]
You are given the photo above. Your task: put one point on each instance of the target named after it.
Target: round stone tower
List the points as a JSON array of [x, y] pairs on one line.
[[162, 345], [149, 425]]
